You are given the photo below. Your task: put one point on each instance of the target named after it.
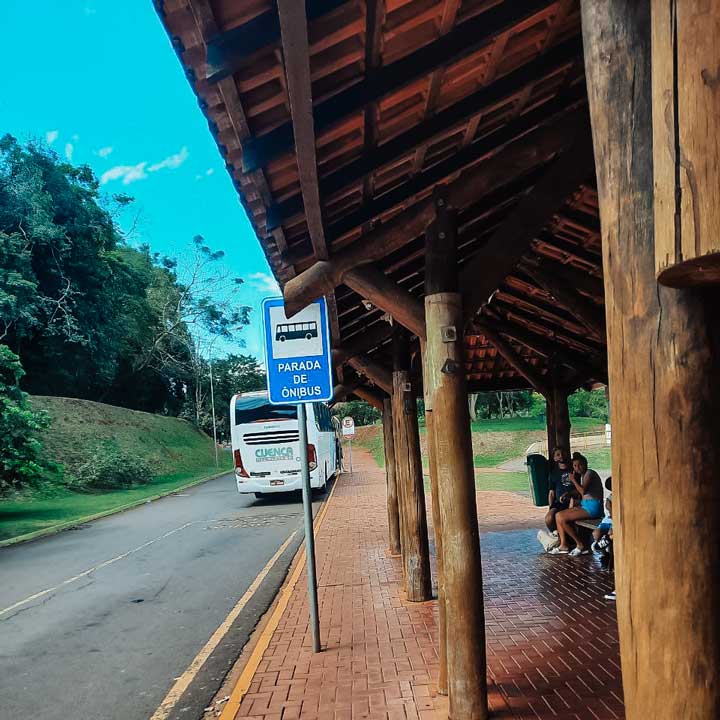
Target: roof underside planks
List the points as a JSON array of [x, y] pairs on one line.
[[401, 96]]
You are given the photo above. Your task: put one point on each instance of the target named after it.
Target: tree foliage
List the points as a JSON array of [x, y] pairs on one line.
[[90, 316], [361, 412], [231, 375], [21, 461]]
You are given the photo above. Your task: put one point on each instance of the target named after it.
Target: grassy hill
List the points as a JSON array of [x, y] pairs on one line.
[[177, 452], [172, 447]]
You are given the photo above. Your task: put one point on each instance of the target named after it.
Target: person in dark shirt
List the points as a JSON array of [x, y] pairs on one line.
[[561, 486]]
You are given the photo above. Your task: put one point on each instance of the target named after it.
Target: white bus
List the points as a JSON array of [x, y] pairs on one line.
[[266, 449]]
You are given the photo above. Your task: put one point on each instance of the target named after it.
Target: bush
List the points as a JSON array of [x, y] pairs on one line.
[[21, 460], [360, 411], [111, 469]]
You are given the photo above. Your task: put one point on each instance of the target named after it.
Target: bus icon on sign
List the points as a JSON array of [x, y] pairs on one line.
[[296, 331]]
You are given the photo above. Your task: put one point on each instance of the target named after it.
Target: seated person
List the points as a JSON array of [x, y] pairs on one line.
[[589, 485], [561, 486], [605, 526]]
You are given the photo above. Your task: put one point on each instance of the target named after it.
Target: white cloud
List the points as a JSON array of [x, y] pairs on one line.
[[209, 171], [264, 282], [128, 173], [105, 151], [132, 173], [69, 150], [171, 162], [51, 136]]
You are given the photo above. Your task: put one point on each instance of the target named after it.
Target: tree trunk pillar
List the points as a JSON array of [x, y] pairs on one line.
[[558, 418], [437, 526], [462, 569], [664, 363], [390, 473], [413, 523]]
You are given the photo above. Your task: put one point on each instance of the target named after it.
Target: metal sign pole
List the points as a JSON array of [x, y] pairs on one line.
[[309, 533], [350, 453]]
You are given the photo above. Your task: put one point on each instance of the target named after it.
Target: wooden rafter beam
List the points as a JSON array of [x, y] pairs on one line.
[[561, 334], [372, 284], [568, 275], [296, 59], [374, 20], [500, 91], [373, 397], [514, 359], [515, 159], [566, 249], [485, 271], [371, 338], [449, 167], [464, 40], [545, 311], [583, 309], [229, 50], [373, 371], [556, 352]]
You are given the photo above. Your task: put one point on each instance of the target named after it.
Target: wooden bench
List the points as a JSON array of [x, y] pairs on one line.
[[590, 524]]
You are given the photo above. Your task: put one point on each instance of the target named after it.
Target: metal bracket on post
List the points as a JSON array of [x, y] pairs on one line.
[[448, 333]]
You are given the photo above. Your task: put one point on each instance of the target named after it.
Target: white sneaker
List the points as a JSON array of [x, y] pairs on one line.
[[577, 552]]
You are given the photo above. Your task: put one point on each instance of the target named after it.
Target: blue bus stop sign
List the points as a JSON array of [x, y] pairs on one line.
[[297, 352]]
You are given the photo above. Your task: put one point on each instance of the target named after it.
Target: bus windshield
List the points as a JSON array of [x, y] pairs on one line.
[[258, 409]]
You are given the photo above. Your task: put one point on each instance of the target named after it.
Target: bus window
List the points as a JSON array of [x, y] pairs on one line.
[[255, 409]]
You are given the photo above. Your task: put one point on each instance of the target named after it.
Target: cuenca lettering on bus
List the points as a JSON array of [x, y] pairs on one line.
[[301, 392], [299, 365]]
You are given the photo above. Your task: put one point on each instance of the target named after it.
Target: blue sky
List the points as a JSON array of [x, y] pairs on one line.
[[99, 80]]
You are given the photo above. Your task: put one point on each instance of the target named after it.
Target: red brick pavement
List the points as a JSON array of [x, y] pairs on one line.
[[552, 640]]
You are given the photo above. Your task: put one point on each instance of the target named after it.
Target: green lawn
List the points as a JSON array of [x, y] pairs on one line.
[[494, 441], [510, 481], [177, 452], [38, 512], [598, 457], [579, 424]]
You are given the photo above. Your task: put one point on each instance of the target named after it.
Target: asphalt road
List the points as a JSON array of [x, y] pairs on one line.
[[110, 638]]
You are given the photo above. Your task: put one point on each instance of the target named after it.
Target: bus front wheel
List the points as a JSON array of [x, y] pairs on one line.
[[282, 338], [308, 336]]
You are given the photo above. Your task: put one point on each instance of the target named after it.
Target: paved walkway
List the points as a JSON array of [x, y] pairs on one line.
[[552, 640]]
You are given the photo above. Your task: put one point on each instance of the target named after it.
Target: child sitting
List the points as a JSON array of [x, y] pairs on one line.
[[605, 526]]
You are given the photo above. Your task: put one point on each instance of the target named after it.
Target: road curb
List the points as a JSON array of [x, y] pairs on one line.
[[55, 529]]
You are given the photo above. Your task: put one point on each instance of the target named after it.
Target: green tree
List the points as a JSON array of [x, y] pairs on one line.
[[21, 459], [90, 316], [361, 412], [589, 403], [231, 375]]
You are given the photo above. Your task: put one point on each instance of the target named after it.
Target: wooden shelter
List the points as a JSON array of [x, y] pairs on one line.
[[428, 167]]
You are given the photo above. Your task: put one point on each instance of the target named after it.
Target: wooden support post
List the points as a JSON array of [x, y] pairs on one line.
[[686, 125], [437, 526], [462, 568], [415, 549], [664, 363], [558, 417], [390, 473]]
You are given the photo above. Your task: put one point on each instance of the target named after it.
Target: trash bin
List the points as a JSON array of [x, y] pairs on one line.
[[537, 466]]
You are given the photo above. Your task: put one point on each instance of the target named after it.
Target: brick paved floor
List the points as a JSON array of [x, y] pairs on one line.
[[552, 640]]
